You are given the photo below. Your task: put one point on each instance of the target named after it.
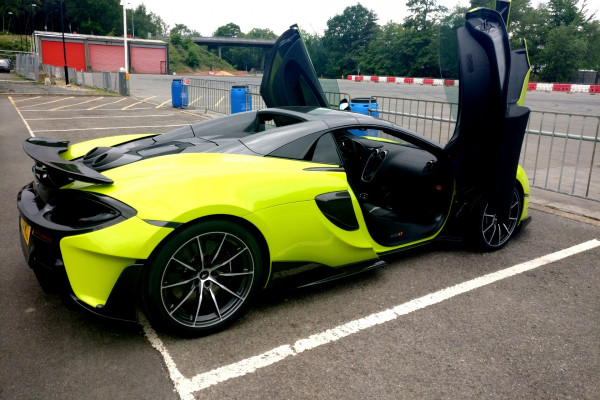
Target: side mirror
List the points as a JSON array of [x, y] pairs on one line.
[[344, 105]]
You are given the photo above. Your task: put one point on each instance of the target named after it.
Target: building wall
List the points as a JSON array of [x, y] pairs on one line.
[[52, 54], [148, 60], [105, 57]]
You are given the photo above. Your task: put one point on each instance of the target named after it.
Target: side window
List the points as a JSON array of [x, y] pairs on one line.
[[325, 151], [317, 147], [269, 121]]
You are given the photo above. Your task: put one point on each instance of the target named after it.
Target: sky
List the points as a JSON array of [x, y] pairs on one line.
[[277, 15]]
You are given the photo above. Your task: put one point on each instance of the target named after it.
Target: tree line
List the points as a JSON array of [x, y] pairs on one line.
[[562, 35]]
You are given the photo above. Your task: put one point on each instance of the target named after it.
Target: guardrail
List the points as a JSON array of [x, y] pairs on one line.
[[560, 153]]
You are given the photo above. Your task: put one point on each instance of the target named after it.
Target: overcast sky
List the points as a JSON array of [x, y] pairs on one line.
[[277, 15]]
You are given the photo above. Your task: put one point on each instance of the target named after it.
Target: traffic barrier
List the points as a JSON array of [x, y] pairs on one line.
[[561, 87], [580, 88], [547, 87]]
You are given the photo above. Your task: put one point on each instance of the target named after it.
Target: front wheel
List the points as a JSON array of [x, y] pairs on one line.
[[203, 278], [488, 231]]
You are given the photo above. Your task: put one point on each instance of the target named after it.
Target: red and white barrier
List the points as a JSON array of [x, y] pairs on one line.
[[538, 86]]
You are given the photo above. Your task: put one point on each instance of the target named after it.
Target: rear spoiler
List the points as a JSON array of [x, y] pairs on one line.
[[47, 152]]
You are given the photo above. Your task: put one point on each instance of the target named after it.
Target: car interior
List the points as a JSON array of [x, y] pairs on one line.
[[403, 190]]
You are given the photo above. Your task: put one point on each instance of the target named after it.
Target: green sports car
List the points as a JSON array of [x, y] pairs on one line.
[[192, 223]]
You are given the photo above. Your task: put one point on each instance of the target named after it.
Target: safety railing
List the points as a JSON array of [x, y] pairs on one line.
[[560, 152], [27, 66]]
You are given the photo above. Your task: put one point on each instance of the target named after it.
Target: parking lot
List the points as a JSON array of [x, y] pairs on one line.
[[441, 321]]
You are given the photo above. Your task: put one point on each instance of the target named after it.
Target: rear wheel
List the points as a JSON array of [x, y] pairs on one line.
[[203, 278], [488, 230]]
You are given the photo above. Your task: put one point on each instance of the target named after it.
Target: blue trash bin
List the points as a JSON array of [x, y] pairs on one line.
[[361, 105], [241, 100], [179, 94]]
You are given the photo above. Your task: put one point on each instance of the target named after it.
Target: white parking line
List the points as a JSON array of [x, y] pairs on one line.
[[48, 102], [99, 117], [108, 128], [21, 115], [139, 102], [77, 104], [186, 386]]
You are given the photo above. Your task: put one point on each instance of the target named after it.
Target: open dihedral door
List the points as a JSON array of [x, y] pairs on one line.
[[289, 78], [486, 143]]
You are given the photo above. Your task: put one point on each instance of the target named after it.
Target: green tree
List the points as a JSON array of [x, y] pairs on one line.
[[347, 38], [96, 17], [563, 54], [229, 30], [422, 39]]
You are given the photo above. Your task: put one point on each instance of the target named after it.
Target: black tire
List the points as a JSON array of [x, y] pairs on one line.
[[487, 232], [203, 279]]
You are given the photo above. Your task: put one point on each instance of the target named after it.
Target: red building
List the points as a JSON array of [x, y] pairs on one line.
[[102, 53]]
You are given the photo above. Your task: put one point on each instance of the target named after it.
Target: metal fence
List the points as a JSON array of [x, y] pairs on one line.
[[214, 96], [27, 66], [560, 153], [98, 79]]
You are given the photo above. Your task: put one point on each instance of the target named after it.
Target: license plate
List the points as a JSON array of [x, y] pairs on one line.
[[25, 230]]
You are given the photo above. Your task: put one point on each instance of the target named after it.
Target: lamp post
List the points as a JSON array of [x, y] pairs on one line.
[[10, 14], [132, 24], [33, 6], [125, 36], [62, 28]]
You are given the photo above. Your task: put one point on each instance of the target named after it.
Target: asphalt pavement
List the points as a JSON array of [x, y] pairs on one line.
[[440, 321]]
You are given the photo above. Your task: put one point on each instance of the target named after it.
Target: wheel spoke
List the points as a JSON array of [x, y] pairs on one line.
[[177, 284], [184, 299], [230, 259], [219, 249], [184, 264], [200, 291], [236, 273], [226, 289], [200, 252], [214, 299]]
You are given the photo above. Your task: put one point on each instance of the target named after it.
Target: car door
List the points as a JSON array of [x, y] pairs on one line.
[[289, 78], [491, 122]]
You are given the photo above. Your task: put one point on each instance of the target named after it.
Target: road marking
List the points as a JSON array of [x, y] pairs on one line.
[[162, 104], [109, 127], [106, 104], [21, 115], [139, 102], [27, 99], [100, 117], [106, 109], [186, 387], [49, 102], [77, 104], [219, 102], [196, 100]]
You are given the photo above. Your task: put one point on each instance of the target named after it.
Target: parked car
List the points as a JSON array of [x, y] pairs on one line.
[[4, 65], [194, 222]]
